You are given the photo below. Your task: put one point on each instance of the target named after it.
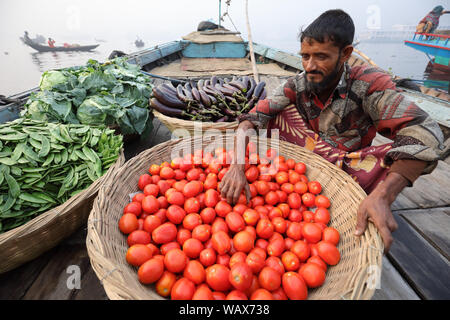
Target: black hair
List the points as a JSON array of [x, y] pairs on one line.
[[334, 25]]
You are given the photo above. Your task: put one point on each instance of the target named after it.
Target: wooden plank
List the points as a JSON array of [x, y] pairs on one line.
[[292, 60], [433, 225], [15, 283], [422, 266], [427, 191], [215, 50], [91, 288], [147, 56], [392, 285]]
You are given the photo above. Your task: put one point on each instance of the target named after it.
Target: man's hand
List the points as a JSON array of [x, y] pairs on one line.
[[377, 208], [233, 183]]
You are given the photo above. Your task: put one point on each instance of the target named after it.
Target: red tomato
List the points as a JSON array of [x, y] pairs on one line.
[[128, 223], [219, 224], [219, 295], [313, 275], [252, 174], [182, 235], [311, 232], [167, 173], [322, 201], [138, 197], [192, 205], [134, 208], [212, 198], [295, 215], [288, 188], [279, 294], [290, 261], [308, 216], [175, 214], [235, 222], [251, 217], [272, 198], [314, 251], [276, 264], [208, 257], [279, 224], [288, 243], [210, 183], [155, 179], [264, 228], [192, 247], [179, 186], [262, 187], [322, 215], [276, 247], [192, 188], [208, 215], [331, 235], [195, 272], [236, 258], [308, 199], [255, 261], [203, 292], [151, 190], [282, 177], [241, 276], [243, 241], [314, 187], [261, 294], [144, 180], [300, 187], [223, 259], [161, 214], [165, 283], [217, 277], [294, 286], [175, 197], [193, 174], [202, 232], [165, 233], [163, 203], [294, 201], [175, 260], [150, 271], [223, 208], [301, 250], [328, 252], [294, 231], [300, 168], [317, 260], [150, 204], [138, 254], [183, 289], [138, 237], [236, 295], [294, 177], [221, 242], [191, 220], [269, 279], [169, 246]]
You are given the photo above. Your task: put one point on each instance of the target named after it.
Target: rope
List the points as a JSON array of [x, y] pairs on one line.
[[228, 3], [250, 42]]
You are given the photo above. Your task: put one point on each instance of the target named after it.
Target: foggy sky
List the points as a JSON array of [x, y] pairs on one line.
[[165, 20]]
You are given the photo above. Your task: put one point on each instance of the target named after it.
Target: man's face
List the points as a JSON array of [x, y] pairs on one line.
[[322, 63]]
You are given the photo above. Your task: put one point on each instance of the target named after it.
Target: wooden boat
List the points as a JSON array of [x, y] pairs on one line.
[[417, 267], [44, 48]]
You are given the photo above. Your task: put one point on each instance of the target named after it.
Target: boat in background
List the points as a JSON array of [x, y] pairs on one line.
[[43, 48]]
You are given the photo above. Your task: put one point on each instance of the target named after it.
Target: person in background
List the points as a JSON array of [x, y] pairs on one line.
[[51, 43], [430, 23], [335, 111]]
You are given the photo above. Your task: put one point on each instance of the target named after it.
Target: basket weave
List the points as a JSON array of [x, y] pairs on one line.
[[173, 124], [44, 232], [349, 279]]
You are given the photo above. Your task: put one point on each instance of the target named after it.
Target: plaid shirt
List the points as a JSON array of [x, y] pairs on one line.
[[366, 101]]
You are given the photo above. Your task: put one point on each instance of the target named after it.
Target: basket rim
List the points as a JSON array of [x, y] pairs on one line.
[[188, 123], [116, 289]]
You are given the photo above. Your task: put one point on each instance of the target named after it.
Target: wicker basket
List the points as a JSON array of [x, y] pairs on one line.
[[44, 232], [194, 126], [349, 279]]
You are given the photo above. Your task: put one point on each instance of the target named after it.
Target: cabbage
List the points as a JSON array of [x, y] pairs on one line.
[[50, 79], [37, 110], [92, 111]]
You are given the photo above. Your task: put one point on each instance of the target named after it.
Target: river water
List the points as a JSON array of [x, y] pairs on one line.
[[21, 67]]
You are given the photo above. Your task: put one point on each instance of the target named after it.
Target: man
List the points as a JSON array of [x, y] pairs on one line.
[[336, 111], [430, 23]]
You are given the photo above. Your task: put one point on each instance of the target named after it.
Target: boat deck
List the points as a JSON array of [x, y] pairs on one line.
[[417, 266]]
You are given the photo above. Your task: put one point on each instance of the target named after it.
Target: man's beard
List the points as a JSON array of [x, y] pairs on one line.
[[325, 83]]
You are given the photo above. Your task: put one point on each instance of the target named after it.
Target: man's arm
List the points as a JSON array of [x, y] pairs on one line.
[[418, 145]]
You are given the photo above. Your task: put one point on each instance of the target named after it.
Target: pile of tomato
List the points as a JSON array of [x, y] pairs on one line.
[[192, 244]]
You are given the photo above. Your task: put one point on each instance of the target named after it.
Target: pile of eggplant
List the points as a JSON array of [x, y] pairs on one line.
[[211, 100]]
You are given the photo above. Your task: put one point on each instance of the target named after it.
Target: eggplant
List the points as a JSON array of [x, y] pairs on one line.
[[169, 86], [166, 110], [259, 89], [188, 86], [246, 81], [225, 91], [205, 98], [239, 85], [223, 119], [196, 94], [253, 85], [214, 80], [168, 98], [230, 87], [221, 81], [200, 84], [207, 82], [188, 94], [263, 94]]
